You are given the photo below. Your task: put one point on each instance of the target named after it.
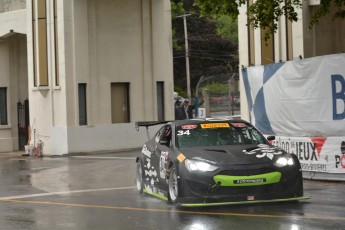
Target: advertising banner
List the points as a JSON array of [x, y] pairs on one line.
[[299, 98], [302, 103], [316, 154]]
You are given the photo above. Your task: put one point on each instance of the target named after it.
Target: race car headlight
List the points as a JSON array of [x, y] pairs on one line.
[[284, 161], [193, 165]]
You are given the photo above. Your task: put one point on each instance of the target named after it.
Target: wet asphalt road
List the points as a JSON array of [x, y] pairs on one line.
[[97, 192]]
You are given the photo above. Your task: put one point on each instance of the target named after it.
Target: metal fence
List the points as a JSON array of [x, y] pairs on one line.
[[221, 104]]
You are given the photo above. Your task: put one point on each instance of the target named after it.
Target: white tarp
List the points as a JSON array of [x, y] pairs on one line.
[[302, 102], [298, 98]]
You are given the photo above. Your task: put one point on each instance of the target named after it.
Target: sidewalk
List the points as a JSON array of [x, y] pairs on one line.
[[11, 154]]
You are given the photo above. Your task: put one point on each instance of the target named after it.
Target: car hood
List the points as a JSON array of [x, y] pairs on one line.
[[234, 154]]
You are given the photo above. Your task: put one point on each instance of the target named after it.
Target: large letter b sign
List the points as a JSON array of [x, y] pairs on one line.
[[338, 91]]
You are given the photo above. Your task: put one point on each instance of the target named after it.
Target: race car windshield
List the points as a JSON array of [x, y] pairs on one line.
[[214, 134]]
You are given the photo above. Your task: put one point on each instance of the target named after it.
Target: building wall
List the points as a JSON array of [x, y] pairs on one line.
[[18, 90], [325, 38], [13, 72], [5, 130], [12, 5], [101, 42], [15, 21]]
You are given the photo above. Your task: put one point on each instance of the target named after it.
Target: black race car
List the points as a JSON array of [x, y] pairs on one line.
[[202, 162]]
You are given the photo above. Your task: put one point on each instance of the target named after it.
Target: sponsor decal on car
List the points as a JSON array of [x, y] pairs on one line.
[[250, 198], [189, 126], [264, 151], [248, 181], [163, 164], [240, 125], [181, 132], [215, 125], [146, 152], [181, 157]]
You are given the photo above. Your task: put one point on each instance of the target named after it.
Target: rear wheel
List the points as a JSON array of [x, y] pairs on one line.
[[173, 185], [139, 177]]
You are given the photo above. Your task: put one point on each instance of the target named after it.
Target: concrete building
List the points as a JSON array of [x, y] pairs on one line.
[[89, 69], [291, 41]]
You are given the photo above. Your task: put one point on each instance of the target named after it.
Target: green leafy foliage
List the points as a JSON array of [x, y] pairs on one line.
[[220, 7], [227, 27], [265, 14], [180, 91], [217, 87], [176, 9]]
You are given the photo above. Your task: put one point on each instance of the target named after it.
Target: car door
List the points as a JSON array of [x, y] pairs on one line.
[[151, 161]]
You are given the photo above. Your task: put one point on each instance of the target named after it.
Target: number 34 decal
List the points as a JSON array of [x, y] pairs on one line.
[[183, 132]]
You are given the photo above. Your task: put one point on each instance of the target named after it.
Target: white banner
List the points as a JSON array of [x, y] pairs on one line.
[[316, 154], [302, 102], [298, 98]]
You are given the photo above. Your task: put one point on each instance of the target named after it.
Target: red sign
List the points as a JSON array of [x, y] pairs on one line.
[[318, 141], [238, 125], [189, 126]]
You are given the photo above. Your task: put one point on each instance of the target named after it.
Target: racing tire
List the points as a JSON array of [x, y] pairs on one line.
[[173, 186], [139, 177]]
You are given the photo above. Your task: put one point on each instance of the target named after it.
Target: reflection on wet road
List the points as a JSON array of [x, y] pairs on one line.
[[97, 192]]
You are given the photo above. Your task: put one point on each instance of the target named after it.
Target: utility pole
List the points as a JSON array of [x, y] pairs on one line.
[[189, 95]]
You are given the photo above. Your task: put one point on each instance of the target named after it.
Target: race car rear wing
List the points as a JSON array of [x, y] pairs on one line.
[[147, 124]]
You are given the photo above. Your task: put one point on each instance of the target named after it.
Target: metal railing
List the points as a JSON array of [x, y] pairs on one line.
[[222, 104]]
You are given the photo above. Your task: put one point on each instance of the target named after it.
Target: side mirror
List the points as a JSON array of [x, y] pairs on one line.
[[271, 138]]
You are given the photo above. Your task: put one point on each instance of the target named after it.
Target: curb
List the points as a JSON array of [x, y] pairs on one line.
[[15, 154]]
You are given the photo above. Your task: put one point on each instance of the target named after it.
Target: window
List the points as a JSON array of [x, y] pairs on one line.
[[267, 49], [3, 106], [164, 135], [82, 104], [120, 110], [159, 134], [160, 101], [234, 134], [39, 23], [57, 83]]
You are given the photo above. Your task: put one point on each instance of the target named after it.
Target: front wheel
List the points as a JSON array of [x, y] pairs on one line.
[[173, 186], [139, 177]]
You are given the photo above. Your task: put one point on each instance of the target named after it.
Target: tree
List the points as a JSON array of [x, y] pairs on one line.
[[227, 27], [265, 14], [210, 54], [176, 9]]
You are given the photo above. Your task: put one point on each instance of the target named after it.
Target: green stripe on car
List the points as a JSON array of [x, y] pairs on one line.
[[244, 202], [235, 181]]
